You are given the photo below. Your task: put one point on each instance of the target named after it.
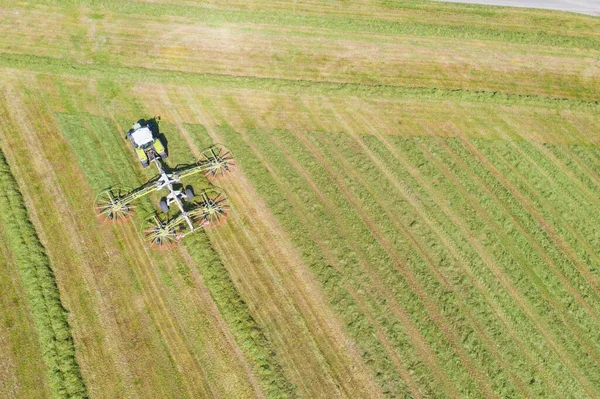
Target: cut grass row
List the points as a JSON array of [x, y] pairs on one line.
[[249, 337], [527, 372], [23, 372], [43, 295], [362, 198], [435, 274], [334, 282], [463, 266], [569, 216], [116, 167], [483, 207], [556, 225], [53, 214], [371, 234], [475, 190], [420, 165]]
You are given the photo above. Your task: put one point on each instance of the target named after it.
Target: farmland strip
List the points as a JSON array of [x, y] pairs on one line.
[[22, 368], [464, 289], [458, 220], [523, 158], [234, 310], [371, 179], [543, 250], [562, 253], [134, 74], [405, 27], [577, 247], [501, 257], [333, 284], [43, 295], [392, 244], [560, 348]]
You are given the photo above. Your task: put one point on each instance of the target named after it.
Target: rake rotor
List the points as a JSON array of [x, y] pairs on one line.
[[218, 161], [209, 211], [159, 234], [214, 207], [110, 208]]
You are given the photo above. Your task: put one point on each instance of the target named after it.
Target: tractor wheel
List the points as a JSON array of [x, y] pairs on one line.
[[144, 164], [163, 155], [189, 193], [164, 206]]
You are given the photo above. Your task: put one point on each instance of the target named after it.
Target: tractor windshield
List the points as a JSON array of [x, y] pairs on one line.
[[146, 146], [143, 138]]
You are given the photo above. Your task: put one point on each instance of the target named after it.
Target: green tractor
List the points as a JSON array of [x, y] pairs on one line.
[[144, 138]]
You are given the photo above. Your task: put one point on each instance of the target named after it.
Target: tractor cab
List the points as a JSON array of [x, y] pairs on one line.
[[147, 147]]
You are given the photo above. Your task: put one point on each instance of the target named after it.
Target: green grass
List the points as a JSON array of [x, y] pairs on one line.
[[249, 336], [407, 27], [42, 292], [447, 211], [570, 324], [332, 280], [24, 369], [89, 134], [132, 74]]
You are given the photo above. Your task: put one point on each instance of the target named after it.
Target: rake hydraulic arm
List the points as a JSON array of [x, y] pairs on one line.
[[112, 205]]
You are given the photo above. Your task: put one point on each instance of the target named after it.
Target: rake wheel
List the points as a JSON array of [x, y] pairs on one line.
[[214, 208], [219, 161], [110, 209], [160, 235]]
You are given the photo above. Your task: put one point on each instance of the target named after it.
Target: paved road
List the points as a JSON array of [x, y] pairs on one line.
[[590, 7]]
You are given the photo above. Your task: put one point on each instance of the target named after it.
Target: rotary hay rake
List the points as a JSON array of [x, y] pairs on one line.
[[209, 208]]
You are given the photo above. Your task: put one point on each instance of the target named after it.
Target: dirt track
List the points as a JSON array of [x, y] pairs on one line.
[[590, 7]]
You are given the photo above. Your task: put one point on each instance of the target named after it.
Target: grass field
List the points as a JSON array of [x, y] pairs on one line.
[[414, 204]]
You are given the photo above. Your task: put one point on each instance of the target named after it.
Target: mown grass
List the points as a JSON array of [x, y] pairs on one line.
[[487, 220], [91, 134], [521, 253], [249, 336], [43, 295], [23, 373], [315, 54], [333, 281], [132, 74], [463, 267], [406, 27]]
